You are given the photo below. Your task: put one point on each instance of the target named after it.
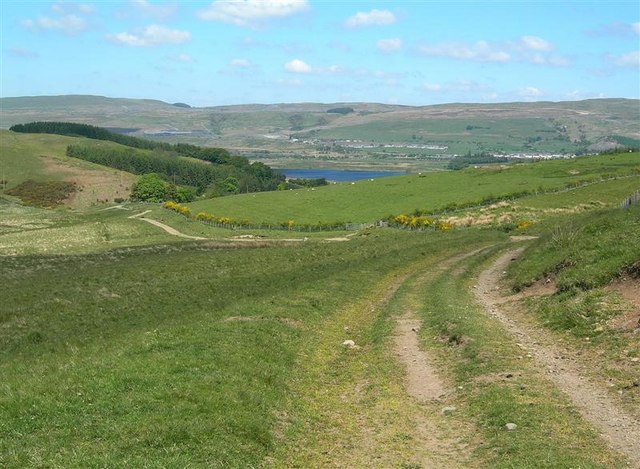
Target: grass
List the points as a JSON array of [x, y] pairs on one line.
[[497, 384], [126, 356], [29, 230], [42, 158], [121, 345], [585, 252], [584, 256], [372, 200]]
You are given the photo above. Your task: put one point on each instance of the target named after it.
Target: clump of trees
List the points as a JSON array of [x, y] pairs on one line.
[[340, 110], [297, 183], [151, 187], [464, 161]]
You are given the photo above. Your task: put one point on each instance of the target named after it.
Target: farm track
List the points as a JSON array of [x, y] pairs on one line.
[[436, 440], [618, 428]]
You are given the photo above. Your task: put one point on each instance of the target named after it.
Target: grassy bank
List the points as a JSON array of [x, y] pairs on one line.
[[371, 200]]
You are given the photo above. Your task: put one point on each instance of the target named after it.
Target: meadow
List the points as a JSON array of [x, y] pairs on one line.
[[124, 345], [371, 200]]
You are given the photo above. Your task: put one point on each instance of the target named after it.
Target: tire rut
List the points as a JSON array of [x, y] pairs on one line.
[[617, 427]]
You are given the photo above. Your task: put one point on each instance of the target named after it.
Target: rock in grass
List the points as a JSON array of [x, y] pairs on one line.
[[511, 426], [448, 410], [349, 343]]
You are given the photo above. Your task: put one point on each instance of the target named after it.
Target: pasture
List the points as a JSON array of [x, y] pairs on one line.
[[122, 344]]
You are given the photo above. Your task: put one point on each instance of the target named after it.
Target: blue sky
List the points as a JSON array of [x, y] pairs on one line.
[[270, 51]]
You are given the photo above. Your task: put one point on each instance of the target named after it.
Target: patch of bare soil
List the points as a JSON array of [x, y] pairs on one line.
[[544, 286], [167, 228], [629, 289], [620, 429], [422, 381], [94, 186]]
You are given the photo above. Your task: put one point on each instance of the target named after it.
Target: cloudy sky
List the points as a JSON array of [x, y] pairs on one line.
[[270, 51]]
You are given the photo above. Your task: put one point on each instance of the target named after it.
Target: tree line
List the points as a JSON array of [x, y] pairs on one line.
[[164, 159]]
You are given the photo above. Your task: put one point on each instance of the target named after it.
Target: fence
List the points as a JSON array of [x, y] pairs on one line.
[[631, 200]]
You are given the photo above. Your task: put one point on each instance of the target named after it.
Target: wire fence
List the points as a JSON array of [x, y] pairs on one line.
[[631, 200]]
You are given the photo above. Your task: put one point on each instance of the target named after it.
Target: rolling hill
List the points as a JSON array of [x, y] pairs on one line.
[[373, 135]]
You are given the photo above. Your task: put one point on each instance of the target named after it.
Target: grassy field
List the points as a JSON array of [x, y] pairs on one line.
[[372, 200], [124, 345], [158, 354]]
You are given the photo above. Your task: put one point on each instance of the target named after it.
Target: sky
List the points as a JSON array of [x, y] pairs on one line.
[[224, 52]]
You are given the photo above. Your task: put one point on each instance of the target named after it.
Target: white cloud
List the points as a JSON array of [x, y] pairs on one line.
[[530, 92], [542, 59], [616, 29], [389, 45], [632, 59], [240, 63], [535, 43], [67, 24], [153, 35], [370, 18], [66, 8], [68, 18], [251, 12], [481, 51], [297, 66], [159, 11], [532, 49]]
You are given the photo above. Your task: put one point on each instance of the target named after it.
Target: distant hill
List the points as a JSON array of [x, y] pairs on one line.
[[384, 134]]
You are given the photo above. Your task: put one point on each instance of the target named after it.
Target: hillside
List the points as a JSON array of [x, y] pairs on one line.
[[370, 200], [124, 332], [42, 158], [387, 136]]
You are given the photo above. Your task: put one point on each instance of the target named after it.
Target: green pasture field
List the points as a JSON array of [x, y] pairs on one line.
[[584, 252], [609, 192], [124, 345], [367, 201], [192, 354], [180, 355], [32, 231]]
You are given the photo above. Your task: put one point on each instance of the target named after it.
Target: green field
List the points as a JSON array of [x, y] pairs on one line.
[[368, 201], [460, 135], [122, 344]]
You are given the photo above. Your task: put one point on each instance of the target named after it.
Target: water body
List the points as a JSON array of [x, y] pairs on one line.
[[337, 175]]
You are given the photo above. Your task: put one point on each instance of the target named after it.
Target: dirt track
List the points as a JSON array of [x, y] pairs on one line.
[[618, 428]]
